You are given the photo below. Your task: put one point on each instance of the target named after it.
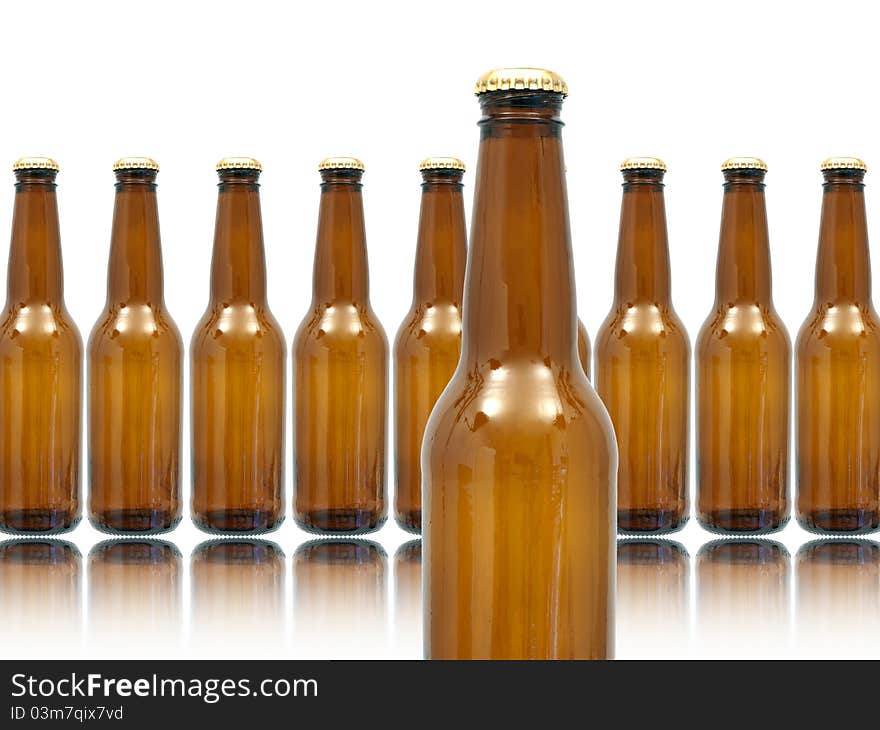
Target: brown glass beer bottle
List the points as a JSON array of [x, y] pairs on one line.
[[40, 367], [743, 363], [340, 372], [135, 358], [838, 369], [237, 361], [643, 363], [428, 342], [518, 459]]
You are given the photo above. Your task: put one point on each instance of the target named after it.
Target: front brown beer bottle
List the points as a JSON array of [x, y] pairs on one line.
[[135, 357], [340, 372], [743, 364], [838, 369], [643, 363], [237, 360], [518, 459], [428, 342], [40, 367]]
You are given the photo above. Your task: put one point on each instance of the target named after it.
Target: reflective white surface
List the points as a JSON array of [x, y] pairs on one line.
[[290, 595]]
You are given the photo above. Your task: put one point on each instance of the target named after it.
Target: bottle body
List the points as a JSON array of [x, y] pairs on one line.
[[743, 364], [428, 343], [340, 377], [237, 378], [838, 374], [643, 368], [135, 361], [518, 458], [40, 373]]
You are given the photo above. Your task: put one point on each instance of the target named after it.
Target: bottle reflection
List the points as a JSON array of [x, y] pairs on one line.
[[134, 597], [40, 598], [237, 598], [838, 597], [339, 593], [743, 595], [653, 598], [408, 600]]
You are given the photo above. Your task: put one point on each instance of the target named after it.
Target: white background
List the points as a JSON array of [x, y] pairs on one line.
[[189, 83]]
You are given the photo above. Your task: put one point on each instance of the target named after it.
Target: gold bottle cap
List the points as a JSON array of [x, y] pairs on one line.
[[441, 163], [135, 163], [239, 163], [643, 163], [341, 163], [521, 79], [844, 163], [744, 163], [35, 163]]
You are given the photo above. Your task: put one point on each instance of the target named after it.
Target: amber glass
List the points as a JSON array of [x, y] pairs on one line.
[[340, 376], [643, 367], [838, 373], [429, 340], [743, 376], [135, 357], [585, 352], [237, 361], [518, 459], [40, 372]]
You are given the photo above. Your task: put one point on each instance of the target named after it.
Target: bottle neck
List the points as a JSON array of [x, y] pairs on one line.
[[642, 270], [843, 269], [441, 252], [519, 295], [341, 273], [135, 271], [238, 267], [35, 271], [743, 271]]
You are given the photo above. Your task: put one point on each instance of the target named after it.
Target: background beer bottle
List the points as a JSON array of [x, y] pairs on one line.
[[135, 357], [40, 367], [340, 372], [743, 381], [429, 339], [237, 361], [643, 363], [838, 369], [518, 459]]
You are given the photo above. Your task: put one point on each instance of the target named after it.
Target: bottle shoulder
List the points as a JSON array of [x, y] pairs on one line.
[[840, 325], [642, 324], [131, 324], [231, 325], [495, 403], [342, 325], [742, 325], [428, 328], [40, 325]]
